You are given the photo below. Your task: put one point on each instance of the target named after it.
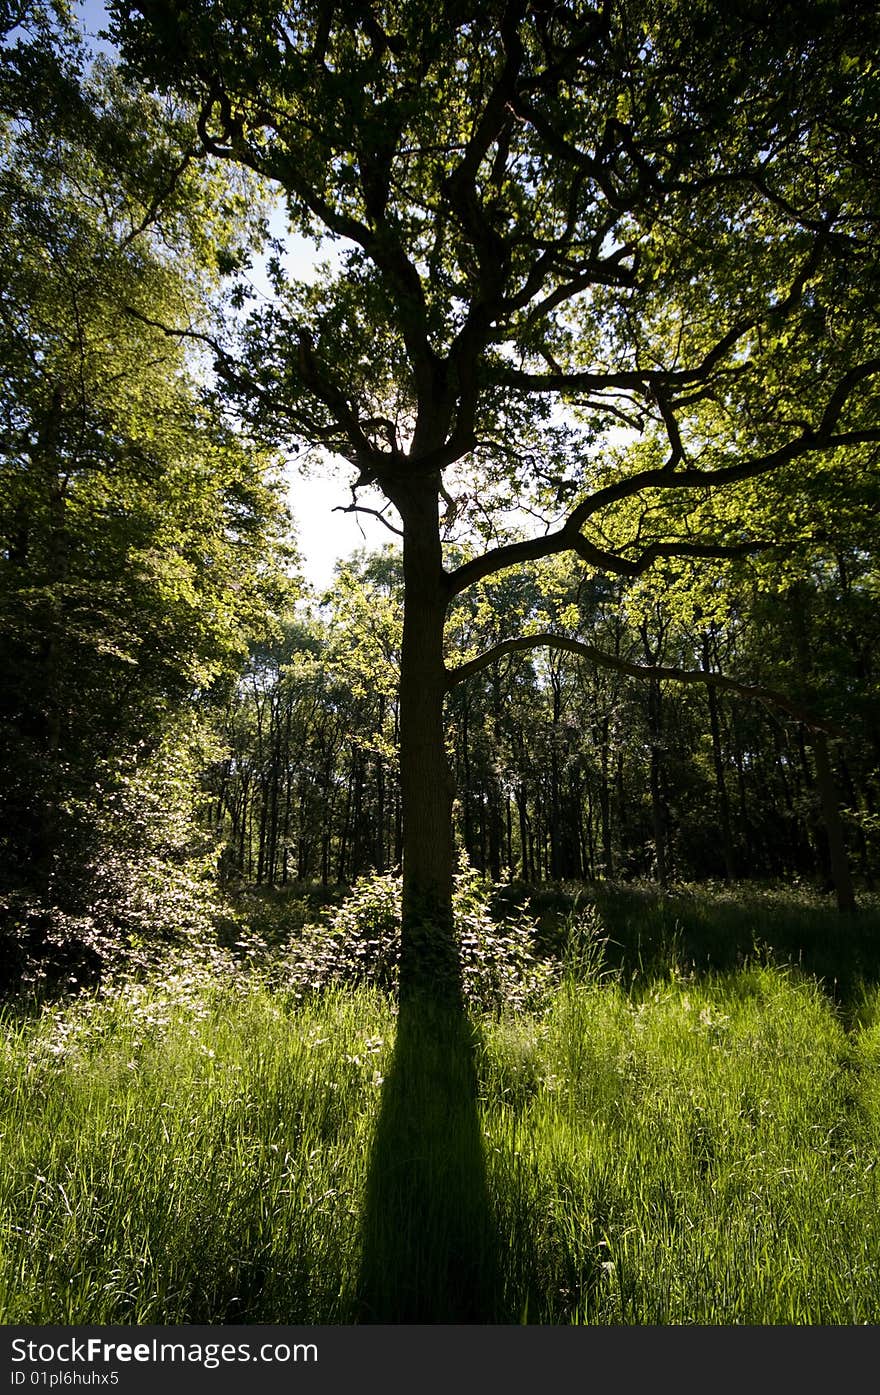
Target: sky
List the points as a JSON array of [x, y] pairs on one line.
[[323, 537]]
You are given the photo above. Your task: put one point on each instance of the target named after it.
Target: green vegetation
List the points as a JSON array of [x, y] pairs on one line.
[[603, 301], [409, 953], [200, 1146]]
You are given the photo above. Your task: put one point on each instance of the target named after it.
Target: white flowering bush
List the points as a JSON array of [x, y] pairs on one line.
[[141, 881], [359, 942], [499, 966]]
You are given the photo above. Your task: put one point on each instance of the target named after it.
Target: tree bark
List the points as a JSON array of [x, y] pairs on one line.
[[718, 766], [828, 799], [826, 788], [605, 800], [379, 776], [429, 959], [658, 810]]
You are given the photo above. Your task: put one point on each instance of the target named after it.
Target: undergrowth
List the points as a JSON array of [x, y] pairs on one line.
[[203, 1142]]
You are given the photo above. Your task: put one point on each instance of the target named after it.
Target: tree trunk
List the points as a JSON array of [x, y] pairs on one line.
[[495, 810], [658, 811], [379, 776], [718, 766], [520, 796], [605, 800], [495, 830], [828, 800], [45, 818], [829, 803], [288, 797], [554, 816], [856, 803], [466, 795], [342, 850], [429, 960]]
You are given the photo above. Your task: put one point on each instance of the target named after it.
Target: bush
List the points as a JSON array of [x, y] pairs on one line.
[[360, 943], [138, 878]]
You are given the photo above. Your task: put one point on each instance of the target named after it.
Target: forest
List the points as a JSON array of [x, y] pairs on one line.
[[490, 935]]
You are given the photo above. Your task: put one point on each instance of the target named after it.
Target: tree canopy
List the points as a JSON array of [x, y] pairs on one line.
[[597, 320]]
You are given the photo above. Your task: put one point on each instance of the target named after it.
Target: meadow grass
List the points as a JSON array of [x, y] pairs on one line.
[[187, 1153], [677, 1147]]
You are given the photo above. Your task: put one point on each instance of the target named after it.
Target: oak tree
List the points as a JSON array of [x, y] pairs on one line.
[[605, 266]]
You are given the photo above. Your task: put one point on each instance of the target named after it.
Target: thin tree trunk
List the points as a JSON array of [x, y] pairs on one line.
[[46, 817], [828, 800], [466, 793], [605, 801], [342, 850], [718, 764], [379, 776], [658, 813], [288, 797], [520, 796], [854, 800]]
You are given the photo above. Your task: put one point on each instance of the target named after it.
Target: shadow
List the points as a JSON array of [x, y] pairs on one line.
[[429, 1246], [714, 930], [705, 928]]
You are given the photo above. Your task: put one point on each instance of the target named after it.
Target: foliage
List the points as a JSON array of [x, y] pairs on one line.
[[564, 767], [140, 879], [499, 965], [140, 534], [360, 943], [647, 253], [605, 288]]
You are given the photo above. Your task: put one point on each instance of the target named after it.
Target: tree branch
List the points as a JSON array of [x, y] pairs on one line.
[[657, 672], [643, 379], [375, 513], [568, 539], [656, 381]]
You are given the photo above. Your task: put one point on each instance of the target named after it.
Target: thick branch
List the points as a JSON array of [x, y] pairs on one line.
[[643, 379], [657, 672], [568, 538], [380, 242], [658, 382], [368, 456]]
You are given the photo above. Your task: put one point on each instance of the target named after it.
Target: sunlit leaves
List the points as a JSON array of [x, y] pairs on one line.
[[139, 534]]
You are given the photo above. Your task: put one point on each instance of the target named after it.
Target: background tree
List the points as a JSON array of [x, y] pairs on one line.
[[136, 528], [553, 751]]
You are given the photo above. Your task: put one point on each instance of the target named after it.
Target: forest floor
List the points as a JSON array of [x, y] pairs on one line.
[[684, 1129]]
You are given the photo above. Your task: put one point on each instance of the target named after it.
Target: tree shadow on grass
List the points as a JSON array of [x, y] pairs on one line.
[[428, 1241]]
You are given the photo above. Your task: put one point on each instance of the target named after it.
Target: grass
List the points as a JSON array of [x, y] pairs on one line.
[[651, 1147], [701, 1153]]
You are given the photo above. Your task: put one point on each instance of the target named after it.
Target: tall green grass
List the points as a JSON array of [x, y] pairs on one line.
[[209, 1148], [701, 1153], [188, 1153]]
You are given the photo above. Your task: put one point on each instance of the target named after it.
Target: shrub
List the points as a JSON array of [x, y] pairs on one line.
[[141, 879], [359, 942]]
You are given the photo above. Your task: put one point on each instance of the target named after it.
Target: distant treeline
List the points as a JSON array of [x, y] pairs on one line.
[[564, 769]]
